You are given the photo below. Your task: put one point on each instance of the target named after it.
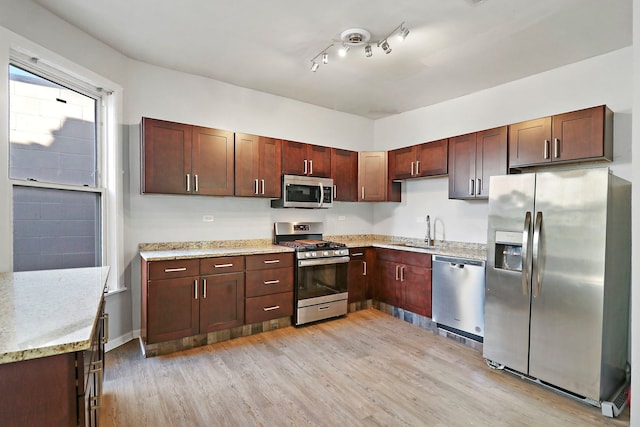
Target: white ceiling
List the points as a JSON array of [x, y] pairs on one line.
[[455, 47]]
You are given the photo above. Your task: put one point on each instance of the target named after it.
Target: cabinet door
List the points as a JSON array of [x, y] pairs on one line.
[[431, 158], [358, 288], [530, 142], [166, 157], [294, 158], [172, 309], [247, 167], [402, 162], [344, 166], [372, 176], [270, 167], [222, 302], [462, 158], [212, 162], [416, 289], [319, 161], [388, 281], [578, 135], [491, 158]]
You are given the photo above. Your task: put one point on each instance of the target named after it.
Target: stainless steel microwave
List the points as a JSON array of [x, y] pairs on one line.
[[305, 192]]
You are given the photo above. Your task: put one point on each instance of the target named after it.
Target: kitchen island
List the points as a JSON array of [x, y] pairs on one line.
[[51, 346]]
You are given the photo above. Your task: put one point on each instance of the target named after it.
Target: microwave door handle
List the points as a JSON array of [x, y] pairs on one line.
[[321, 195]]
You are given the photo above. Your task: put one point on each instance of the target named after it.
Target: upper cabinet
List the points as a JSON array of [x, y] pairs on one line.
[[584, 135], [258, 163], [185, 159], [418, 161], [344, 171], [374, 184], [473, 159], [305, 159]]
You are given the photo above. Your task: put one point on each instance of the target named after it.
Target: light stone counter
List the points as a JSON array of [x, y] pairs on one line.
[[170, 254], [49, 312]]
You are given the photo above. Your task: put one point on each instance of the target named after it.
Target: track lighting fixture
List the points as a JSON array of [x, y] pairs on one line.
[[356, 37]]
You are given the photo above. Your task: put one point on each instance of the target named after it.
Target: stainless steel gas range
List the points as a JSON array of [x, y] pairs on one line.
[[321, 271]]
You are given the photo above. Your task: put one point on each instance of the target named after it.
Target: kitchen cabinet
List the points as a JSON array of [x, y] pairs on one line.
[[344, 171], [473, 159], [373, 180], [584, 135], [305, 159], [269, 285], [184, 159], [258, 166], [191, 296], [360, 269], [418, 161], [404, 280]]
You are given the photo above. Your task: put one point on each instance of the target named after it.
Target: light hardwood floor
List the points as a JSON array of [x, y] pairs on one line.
[[367, 369]]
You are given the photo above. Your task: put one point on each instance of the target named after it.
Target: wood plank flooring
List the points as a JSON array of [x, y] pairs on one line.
[[368, 369]]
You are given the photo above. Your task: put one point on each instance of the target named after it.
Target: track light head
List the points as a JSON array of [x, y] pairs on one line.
[[404, 32], [314, 66], [367, 51], [343, 50], [325, 58], [385, 46]]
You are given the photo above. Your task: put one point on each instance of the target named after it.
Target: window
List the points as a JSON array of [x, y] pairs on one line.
[[55, 170]]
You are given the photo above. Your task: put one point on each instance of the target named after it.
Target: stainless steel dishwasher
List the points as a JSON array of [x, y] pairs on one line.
[[458, 295]]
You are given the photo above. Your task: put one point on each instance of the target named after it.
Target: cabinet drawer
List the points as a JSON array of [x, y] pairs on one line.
[[272, 281], [221, 265], [261, 262], [259, 309], [418, 259], [172, 269], [391, 255]]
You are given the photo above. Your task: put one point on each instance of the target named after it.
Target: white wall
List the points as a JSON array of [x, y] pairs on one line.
[[604, 79]]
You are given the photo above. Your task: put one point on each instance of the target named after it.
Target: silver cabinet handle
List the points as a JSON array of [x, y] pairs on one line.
[[362, 193], [402, 273], [545, 152], [95, 367], [255, 187], [223, 265], [397, 272], [195, 178], [411, 168], [335, 190], [271, 282], [195, 289], [526, 254], [262, 186], [188, 183], [273, 307], [537, 268], [204, 288], [556, 148], [271, 261], [417, 167], [105, 330], [305, 168], [173, 270], [357, 254], [471, 187], [478, 186], [310, 167], [364, 268]]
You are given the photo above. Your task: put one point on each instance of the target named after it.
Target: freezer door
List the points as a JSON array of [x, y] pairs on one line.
[[568, 279], [508, 290]]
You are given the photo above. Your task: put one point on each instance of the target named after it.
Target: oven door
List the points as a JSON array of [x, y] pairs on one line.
[[321, 280]]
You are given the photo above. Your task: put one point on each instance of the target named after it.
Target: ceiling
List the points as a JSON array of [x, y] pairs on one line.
[[455, 47]]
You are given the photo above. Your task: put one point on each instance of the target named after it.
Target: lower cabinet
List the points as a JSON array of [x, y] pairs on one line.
[[269, 287], [404, 280], [360, 269]]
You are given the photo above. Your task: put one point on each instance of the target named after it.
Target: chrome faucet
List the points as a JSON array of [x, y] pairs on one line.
[[427, 238]]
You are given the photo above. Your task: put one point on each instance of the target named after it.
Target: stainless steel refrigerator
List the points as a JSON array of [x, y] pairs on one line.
[[558, 279]]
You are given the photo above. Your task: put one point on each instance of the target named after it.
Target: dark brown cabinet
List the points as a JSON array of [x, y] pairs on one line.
[[418, 161], [258, 165], [306, 159], [360, 268], [373, 180], [583, 135], [184, 159], [473, 159], [269, 284], [404, 280], [344, 171]]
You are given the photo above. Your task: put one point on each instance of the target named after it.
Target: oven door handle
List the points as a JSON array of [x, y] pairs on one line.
[[322, 261]]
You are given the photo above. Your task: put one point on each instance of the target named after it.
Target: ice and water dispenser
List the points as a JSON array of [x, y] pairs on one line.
[[508, 250]]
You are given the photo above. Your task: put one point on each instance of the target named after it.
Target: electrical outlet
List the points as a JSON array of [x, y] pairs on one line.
[[207, 218]]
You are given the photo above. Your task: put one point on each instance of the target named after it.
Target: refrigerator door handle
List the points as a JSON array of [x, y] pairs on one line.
[[537, 268], [526, 254]]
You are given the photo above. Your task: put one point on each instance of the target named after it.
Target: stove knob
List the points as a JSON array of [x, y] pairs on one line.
[[325, 253], [313, 254], [307, 254]]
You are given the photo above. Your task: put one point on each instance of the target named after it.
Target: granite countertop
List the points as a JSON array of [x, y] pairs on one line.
[[183, 250], [49, 312]]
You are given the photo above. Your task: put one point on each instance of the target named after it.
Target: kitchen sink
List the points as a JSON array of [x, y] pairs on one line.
[[423, 245]]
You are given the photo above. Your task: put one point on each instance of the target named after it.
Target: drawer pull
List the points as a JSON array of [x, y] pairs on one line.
[[271, 261], [272, 282], [174, 270], [275, 307], [357, 254], [223, 265]]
